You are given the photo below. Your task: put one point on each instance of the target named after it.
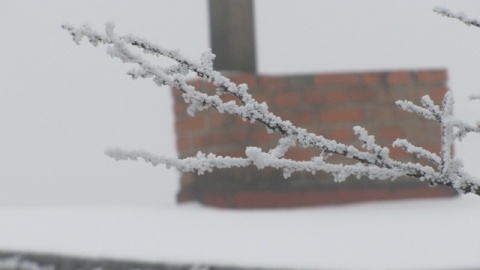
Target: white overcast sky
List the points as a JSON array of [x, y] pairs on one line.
[[61, 105]]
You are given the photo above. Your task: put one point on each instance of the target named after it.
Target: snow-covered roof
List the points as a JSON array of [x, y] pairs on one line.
[[415, 234]]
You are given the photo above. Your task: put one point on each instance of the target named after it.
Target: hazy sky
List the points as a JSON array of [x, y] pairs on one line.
[[61, 105]]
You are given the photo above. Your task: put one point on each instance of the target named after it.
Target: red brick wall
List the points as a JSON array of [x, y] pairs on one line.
[[327, 104]]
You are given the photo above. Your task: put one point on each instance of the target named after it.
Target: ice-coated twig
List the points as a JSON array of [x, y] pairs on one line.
[[282, 147], [200, 163], [374, 163], [427, 102], [464, 128], [474, 97], [340, 172], [459, 16], [409, 106], [369, 143], [418, 151], [447, 137]]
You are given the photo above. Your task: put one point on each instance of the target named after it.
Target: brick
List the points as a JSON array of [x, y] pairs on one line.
[[423, 132], [411, 118], [399, 153], [311, 197], [336, 79], [414, 94], [198, 142], [230, 137], [186, 195], [300, 82], [437, 94], [301, 118], [390, 134], [249, 79], [197, 83], [182, 144], [227, 97], [435, 76], [398, 77], [272, 83], [241, 123], [433, 148], [208, 88], [175, 92], [180, 107], [319, 129], [390, 114], [232, 152], [223, 200], [246, 124], [217, 120], [313, 97], [342, 115], [382, 113], [336, 96], [371, 79], [343, 135], [187, 180], [286, 99], [363, 95], [262, 136], [338, 159], [388, 96], [262, 96], [284, 114], [299, 154], [237, 135], [190, 124], [215, 139]]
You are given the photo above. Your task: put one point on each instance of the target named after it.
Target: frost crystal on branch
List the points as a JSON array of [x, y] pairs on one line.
[[373, 161], [459, 16]]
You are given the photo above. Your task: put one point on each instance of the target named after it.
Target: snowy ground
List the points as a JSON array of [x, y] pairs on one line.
[[416, 234]]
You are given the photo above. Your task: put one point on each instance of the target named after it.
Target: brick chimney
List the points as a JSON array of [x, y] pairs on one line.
[[232, 35], [327, 104]]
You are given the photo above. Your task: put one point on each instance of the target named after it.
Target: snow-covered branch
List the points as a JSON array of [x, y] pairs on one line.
[[372, 161], [459, 16], [200, 163]]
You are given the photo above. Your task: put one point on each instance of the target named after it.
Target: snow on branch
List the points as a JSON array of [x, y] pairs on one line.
[[201, 162], [418, 151], [459, 16], [409, 106], [373, 161]]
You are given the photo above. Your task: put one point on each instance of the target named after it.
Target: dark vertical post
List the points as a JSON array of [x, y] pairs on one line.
[[232, 35]]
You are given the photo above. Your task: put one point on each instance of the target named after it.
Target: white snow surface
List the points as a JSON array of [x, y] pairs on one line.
[[413, 234]]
